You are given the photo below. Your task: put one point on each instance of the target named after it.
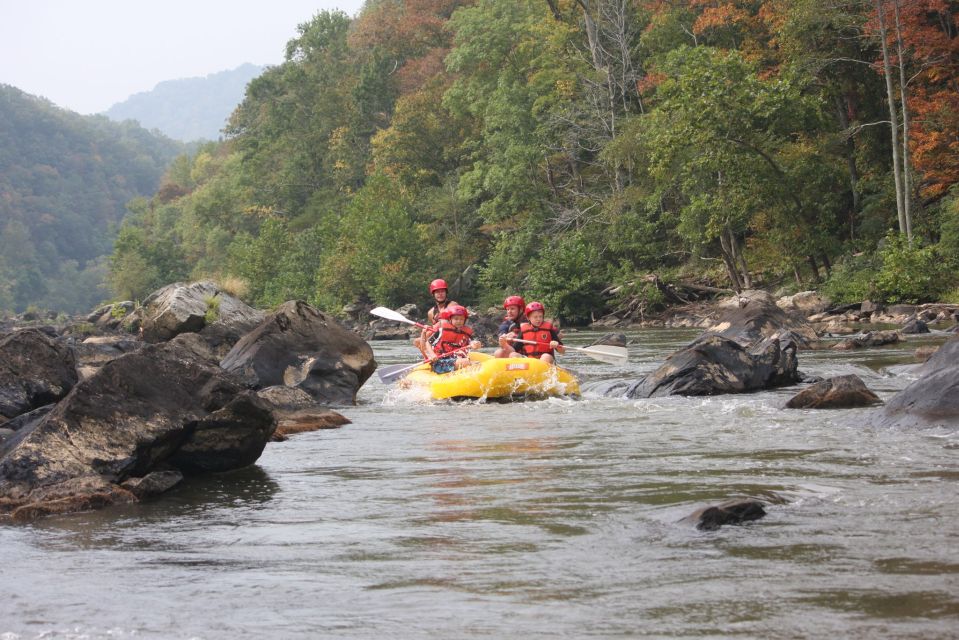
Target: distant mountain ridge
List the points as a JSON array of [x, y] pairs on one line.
[[65, 181], [188, 109]]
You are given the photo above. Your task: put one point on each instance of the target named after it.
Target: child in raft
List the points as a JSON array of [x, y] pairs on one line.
[[509, 328], [543, 335], [452, 340], [440, 292]]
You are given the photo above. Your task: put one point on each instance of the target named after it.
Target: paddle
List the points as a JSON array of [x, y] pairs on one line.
[[393, 372], [602, 352], [396, 316]]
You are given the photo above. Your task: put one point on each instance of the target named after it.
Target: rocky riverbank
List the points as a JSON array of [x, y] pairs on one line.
[[127, 402]]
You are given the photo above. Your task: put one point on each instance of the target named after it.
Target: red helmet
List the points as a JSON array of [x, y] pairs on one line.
[[444, 314], [437, 284], [514, 301], [458, 310], [534, 306]]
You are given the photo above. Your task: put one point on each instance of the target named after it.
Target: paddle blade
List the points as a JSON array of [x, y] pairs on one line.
[[609, 354], [391, 373], [389, 314]]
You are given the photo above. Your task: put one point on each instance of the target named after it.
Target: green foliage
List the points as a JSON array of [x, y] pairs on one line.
[[853, 280], [567, 277], [911, 273], [64, 181], [421, 138], [212, 309]]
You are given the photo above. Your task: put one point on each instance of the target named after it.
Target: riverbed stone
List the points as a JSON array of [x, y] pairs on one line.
[[714, 365], [869, 339], [915, 326], [839, 392], [299, 346], [35, 370], [805, 303], [153, 483], [713, 517], [611, 339]]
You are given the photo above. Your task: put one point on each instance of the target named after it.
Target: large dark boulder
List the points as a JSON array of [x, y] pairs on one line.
[[714, 365], [166, 406], [840, 392], [753, 316], [190, 307], [35, 370], [299, 346], [933, 399]]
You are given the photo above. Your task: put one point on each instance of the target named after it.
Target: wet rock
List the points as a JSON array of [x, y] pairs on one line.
[[924, 353], [228, 438], [713, 517], [301, 347], [153, 484], [868, 307], [68, 496], [35, 370], [933, 399], [754, 316], [306, 420], [840, 392], [869, 339], [283, 397], [189, 307], [914, 326], [714, 365], [132, 417], [612, 339]]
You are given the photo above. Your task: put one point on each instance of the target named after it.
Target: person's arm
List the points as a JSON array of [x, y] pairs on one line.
[[556, 343]]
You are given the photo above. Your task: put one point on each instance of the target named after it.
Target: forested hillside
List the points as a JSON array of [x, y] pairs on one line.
[[563, 146], [64, 182], [188, 109]]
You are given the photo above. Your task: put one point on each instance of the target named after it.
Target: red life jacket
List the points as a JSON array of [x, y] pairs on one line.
[[541, 335], [450, 338]]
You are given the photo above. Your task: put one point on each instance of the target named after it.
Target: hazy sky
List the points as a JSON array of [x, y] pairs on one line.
[[86, 55]]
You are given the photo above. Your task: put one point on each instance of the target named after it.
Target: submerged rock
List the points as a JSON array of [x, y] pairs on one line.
[[299, 346], [611, 339], [35, 370], [869, 339], [915, 326], [933, 399], [714, 365], [840, 392], [713, 517]]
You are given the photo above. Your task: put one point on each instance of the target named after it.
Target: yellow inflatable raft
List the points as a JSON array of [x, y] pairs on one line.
[[491, 377]]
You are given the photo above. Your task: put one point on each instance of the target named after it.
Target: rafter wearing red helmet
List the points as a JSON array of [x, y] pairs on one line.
[[452, 338], [509, 328], [543, 335]]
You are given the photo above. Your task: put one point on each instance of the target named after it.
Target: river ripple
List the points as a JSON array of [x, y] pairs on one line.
[[556, 518]]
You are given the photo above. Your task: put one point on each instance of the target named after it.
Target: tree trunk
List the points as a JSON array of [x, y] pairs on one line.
[[827, 264], [906, 187], [893, 116], [850, 153], [730, 263], [796, 273], [815, 268]]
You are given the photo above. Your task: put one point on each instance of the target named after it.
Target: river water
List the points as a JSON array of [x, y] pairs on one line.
[[556, 518]]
